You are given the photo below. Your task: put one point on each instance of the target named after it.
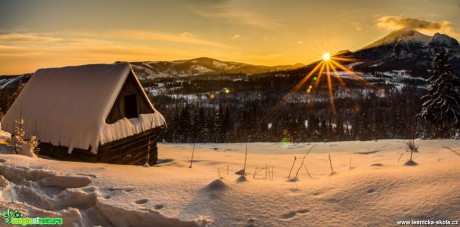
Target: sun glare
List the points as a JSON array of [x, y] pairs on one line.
[[330, 69]]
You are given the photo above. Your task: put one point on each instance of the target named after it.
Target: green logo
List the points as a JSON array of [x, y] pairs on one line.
[[16, 218]]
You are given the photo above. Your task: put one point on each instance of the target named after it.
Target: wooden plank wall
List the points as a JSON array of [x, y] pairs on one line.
[[130, 87]]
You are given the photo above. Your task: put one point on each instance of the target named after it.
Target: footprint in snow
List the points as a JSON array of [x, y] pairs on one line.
[[159, 206], [292, 214], [289, 215], [142, 201], [2, 160], [377, 164], [303, 211], [370, 190], [316, 193]]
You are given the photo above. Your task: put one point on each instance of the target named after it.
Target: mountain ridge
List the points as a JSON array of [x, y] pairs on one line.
[[403, 50], [201, 66]]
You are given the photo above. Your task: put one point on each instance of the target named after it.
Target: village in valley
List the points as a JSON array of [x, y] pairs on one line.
[[133, 123]]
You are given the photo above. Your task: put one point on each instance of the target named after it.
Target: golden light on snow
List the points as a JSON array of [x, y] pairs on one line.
[[326, 56]]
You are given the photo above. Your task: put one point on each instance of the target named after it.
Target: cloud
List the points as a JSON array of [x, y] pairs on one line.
[[242, 18], [236, 36], [132, 35], [396, 22], [187, 35], [39, 39], [221, 9], [357, 26]]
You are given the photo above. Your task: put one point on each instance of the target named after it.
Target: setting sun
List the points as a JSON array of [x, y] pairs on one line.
[[326, 56]]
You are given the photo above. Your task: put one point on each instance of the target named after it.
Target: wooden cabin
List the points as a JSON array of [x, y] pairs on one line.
[[94, 113]]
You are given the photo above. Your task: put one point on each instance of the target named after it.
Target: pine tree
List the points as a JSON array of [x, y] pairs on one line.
[[441, 105]]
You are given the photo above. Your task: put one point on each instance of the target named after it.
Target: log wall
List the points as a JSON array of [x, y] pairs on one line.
[[131, 150]]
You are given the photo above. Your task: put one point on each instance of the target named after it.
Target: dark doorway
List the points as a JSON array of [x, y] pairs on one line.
[[131, 106]]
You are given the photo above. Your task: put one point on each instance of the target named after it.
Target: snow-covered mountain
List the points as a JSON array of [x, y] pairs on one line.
[[404, 50], [401, 37], [200, 66]]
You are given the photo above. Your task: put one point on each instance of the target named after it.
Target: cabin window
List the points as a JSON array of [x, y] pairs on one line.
[[131, 106]]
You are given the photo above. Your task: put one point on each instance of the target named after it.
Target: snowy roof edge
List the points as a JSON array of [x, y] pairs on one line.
[[93, 90]]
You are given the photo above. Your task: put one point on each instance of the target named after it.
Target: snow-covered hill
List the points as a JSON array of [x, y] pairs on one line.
[[370, 186], [200, 66]]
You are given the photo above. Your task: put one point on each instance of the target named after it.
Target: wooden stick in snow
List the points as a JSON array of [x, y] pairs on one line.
[[330, 163], [272, 171], [193, 152], [400, 157], [295, 158], [350, 162], [266, 171], [245, 158]]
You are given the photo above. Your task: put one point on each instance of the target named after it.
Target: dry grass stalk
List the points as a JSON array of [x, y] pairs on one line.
[[455, 152], [302, 163]]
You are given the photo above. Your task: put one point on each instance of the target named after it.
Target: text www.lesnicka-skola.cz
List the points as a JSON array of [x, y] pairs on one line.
[[428, 222]]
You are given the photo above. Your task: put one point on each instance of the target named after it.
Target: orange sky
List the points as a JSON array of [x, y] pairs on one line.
[[48, 33]]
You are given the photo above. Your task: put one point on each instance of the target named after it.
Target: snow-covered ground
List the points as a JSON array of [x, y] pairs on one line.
[[369, 187]]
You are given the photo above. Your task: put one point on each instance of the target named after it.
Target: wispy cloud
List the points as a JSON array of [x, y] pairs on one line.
[[39, 39], [222, 9], [185, 37], [242, 18], [237, 37], [358, 26], [91, 38], [396, 22]]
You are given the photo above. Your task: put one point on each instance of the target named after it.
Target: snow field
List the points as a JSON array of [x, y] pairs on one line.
[[374, 190]]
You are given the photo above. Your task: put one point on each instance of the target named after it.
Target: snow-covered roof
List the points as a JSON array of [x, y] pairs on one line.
[[68, 106]]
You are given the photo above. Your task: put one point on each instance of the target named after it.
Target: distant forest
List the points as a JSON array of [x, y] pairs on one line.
[[248, 113], [246, 108]]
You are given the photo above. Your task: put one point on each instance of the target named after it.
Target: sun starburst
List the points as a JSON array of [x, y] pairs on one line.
[[329, 67]]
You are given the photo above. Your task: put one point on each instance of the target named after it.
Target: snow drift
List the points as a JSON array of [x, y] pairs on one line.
[[371, 187]]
